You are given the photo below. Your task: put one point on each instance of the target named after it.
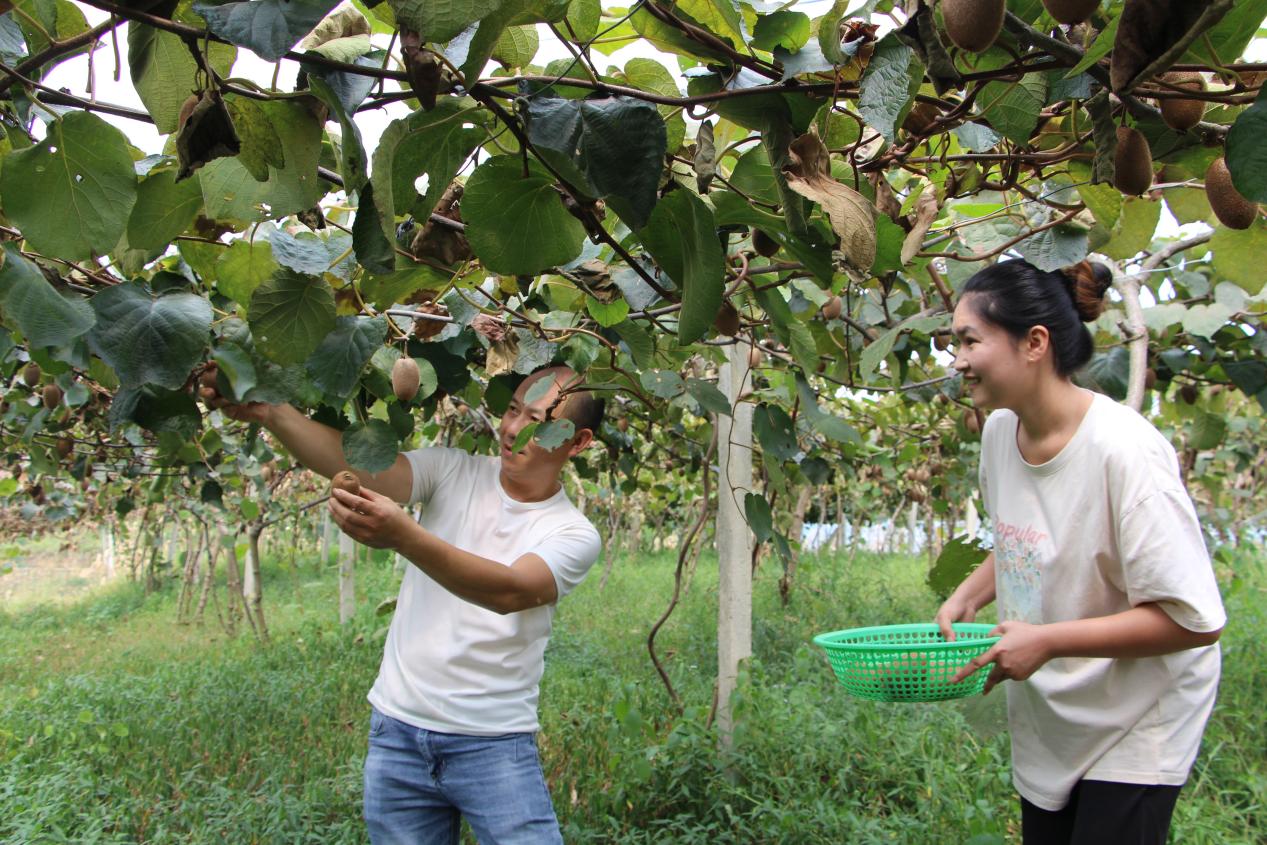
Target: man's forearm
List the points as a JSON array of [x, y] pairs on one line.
[[1143, 631], [315, 445], [487, 583]]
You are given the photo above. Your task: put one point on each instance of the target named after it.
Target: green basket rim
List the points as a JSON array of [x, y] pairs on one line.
[[829, 640]]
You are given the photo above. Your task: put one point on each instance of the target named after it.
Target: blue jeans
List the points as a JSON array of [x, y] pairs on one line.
[[419, 784]]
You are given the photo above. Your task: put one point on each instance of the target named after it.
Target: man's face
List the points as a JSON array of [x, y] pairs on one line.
[[522, 413]]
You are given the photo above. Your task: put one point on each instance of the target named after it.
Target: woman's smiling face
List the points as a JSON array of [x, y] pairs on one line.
[[992, 362]]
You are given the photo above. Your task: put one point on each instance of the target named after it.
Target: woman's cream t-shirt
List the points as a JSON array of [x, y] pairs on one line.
[[1104, 526]]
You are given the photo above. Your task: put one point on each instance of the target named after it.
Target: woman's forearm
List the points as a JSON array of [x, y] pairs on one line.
[[977, 590], [1143, 631]]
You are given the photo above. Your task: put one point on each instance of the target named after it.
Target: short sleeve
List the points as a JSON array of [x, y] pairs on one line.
[[569, 552], [1164, 560], [430, 467]]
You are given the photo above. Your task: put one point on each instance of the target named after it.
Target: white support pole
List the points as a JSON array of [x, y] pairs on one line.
[[347, 578], [734, 538]]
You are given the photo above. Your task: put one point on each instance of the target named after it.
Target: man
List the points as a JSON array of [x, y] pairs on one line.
[[452, 732]]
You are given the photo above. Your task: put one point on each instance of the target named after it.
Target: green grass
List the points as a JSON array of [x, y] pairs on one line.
[[118, 726]]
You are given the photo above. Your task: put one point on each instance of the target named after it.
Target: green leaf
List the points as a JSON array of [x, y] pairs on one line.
[[1249, 376], [888, 246], [1099, 49], [708, 396], [243, 267], [789, 30], [775, 431], [441, 20], [1246, 151], [1012, 108], [760, 520], [1225, 41], [876, 351], [554, 433], [517, 224], [582, 19], [1110, 371], [269, 28], [290, 315], [607, 314], [886, 85], [261, 145], [164, 208], [1208, 430], [640, 343], [525, 434], [1204, 320], [1238, 255], [335, 365], [230, 192], [682, 238], [371, 446], [829, 32], [976, 137], [829, 425], [617, 143], [29, 303], [236, 366], [1054, 248], [71, 194], [374, 249], [434, 143], [958, 558], [662, 383], [517, 46], [1134, 229], [149, 339], [164, 72]]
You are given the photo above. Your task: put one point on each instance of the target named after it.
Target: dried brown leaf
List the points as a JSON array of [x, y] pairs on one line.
[[808, 173]]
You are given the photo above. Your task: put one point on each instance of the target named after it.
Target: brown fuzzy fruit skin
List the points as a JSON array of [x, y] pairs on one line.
[[754, 358], [1071, 11], [727, 320], [347, 481], [622, 424], [941, 341], [765, 245], [1232, 209], [1150, 378], [973, 24], [1188, 393], [65, 446], [405, 379], [1132, 162], [971, 422], [31, 374], [1182, 115], [832, 308], [52, 396]]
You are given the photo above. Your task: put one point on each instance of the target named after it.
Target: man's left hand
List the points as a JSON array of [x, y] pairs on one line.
[[370, 518]]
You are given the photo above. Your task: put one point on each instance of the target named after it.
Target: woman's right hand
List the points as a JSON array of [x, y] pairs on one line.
[[954, 609]]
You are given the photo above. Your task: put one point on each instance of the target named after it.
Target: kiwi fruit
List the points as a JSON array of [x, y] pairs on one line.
[[1150, 378], [405, 378], [764, 244], [52, 395], [1132, 162], [1233, 210], [622, 424], [31, 374], [971, 421], [65, 446], [754, 357], [1182, 115], [1188, 393], [921, 119], [973, 24], [941, 341], [832, 308], [727, 320], [1070, 11], [346, 480]]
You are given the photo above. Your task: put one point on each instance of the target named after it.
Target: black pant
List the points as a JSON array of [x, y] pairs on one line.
[[1103, 813]]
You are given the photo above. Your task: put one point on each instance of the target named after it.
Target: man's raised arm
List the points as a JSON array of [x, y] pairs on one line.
[[315, 445]]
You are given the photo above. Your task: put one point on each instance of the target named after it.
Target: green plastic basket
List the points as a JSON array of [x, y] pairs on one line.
[[907, 662]]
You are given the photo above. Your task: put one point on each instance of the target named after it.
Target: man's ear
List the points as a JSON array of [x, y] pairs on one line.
[[580, 442]]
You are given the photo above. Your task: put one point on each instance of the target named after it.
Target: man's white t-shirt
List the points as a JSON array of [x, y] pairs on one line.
[[1102, 527], [452, 666]]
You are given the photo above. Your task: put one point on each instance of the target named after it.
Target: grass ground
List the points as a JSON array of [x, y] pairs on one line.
[[119, 726]]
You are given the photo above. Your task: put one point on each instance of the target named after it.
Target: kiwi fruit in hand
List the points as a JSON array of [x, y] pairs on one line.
[[347, 481]]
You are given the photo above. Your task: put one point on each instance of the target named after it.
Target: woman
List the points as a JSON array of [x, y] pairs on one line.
[[1109, 611]]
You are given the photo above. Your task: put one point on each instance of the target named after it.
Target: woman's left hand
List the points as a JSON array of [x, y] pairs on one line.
[[1021, 651], [370, 518]]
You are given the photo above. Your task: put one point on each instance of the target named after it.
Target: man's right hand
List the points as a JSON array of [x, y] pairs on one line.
[[250, 412]]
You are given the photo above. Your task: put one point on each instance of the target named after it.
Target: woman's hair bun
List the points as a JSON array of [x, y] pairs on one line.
[[1087, 282]]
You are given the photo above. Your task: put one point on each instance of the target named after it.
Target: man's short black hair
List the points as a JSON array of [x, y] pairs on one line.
[[582, 407]]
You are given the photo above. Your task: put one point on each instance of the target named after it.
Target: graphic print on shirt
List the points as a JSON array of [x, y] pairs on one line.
[[1018, 572]]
